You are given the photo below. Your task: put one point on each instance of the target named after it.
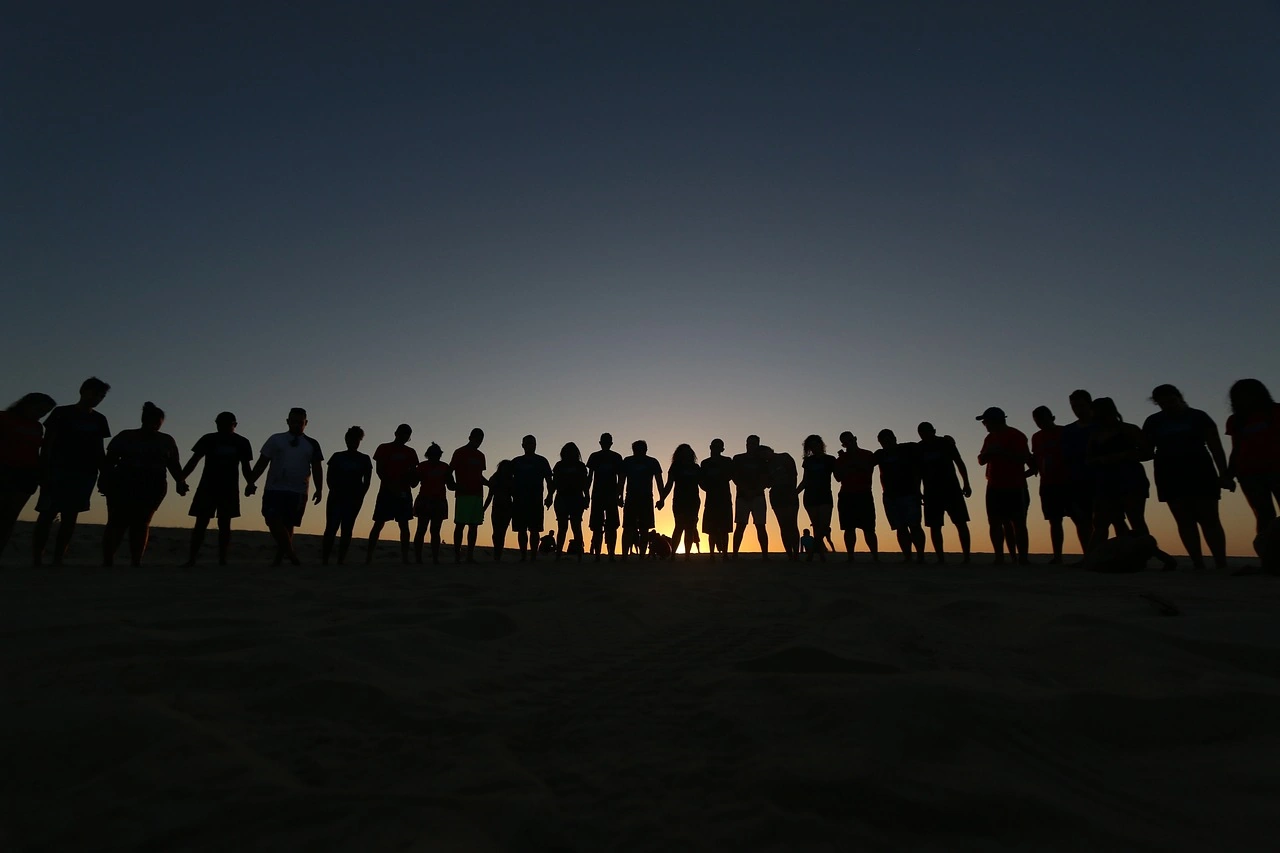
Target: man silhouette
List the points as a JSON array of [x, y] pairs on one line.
[[717, 511], [350, 473], [225, 456], [467, 465], [71, 458], [783, 476], [500, 498], [943, 495], [294, 458], [855, 504], [1080, 477], [1007, 457], [750, 475], [1055, 477], [528, 474], [635, 494], [900, 481], [396, 462], [604, 467]]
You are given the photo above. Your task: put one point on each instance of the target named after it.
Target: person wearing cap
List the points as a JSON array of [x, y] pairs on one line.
[[395, 462], [717, 512], [293, 458], [226, 455], [1007, 456], [944, 495], [900, 482], [603, 469], [855, 504]]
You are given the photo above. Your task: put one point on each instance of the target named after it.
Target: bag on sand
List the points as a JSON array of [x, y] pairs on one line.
[[659, 546], [1122, 554]]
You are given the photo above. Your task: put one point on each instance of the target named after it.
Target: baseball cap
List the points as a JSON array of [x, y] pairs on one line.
[[991, 413]]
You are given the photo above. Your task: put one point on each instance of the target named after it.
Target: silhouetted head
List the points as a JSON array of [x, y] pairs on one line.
[[1042, 416], [33, 406], [434, 452], [152, 416], [297, 420], [1105, 411], [606, 441], [570, 453], [93, 391], [993, 418], [848, 440], [753, 443], [814, 444], [683, 455], [354, 436], [717, 446], [530, 445], [1249, 397], [476, 437], [1168, 398], [806, 532], [403, 433], [225, 422], [887, 438], [640, 447], [926, 430], [1081, 405]]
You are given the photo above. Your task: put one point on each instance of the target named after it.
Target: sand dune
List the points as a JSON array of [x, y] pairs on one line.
[[685, 706]]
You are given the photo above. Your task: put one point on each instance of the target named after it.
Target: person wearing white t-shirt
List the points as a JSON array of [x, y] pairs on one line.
[[292, 458]]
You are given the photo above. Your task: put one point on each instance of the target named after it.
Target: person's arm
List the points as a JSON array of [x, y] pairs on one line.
[[179, 478], [803, 477], [197, 453], [551, 489], [246, 462], [1214, 441], [251, 479], [1141, 447], [962, 468], [662, 490], [366, 478], [107, 467], [317, 474]]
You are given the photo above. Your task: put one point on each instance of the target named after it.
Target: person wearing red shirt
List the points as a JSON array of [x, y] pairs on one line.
[[20, 437], [1007, 457], [855, 504], [1055, 480], [467, 465], [1254, 427], [432, 505], [395, 462]]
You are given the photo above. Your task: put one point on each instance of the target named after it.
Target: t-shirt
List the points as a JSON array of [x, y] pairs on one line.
[[570, 477], [1008, 469], [395, 462], [1256, 442], [606, 466], [500, 482], [224, 454], [899, 469], [684, 478], [1075, 451], [74, 437], [291, 459], [1178, 434], [349, 471], [468, 465], [528, 473], [1046, 447], [142, 456], [20, 440], [818, 469], [638, 473], [854, 468], [783, 474], [750, 474], [937, 464], [434, 477]]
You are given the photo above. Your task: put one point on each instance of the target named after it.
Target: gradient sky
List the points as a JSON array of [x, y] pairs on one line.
[[670, 221]]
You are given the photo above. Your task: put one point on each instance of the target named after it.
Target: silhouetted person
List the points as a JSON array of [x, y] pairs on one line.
[[1191, 471], [293, 458], [807, 543], [395, 462], [683, 478], [21, 435], [432, 505], [751, 477], [528, 474], [226, 455], [717, 511], [350, 474], [71, 459], [855, 504], [944, 495], [900, 483], [1254, 427], [467, 465], [783, 476], [500, 498], [603, 469], [1115, 454], [568, 494], [547, 544], [133, 479], [819, 467], [1075, 444], [1056, 489], [1007, 456], [635, 496]]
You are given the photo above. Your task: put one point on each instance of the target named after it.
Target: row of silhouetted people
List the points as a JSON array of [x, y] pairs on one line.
[[1089, 471]]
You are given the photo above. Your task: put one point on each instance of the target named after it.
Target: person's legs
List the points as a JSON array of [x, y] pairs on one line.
[[11, 504], [917, 539], [436, 524], [282, 533], [140, 534], [197, 540], [996, 529], [473, 530], [1022, 539], [1186, 517], [739, 529], [457, 541], [1214, 536], [404, 541], [935, 534], [762, 536], [850, 542], [113, 534], [1258, 494], [966, 540], [374, 533], [561, 531], [904, 542], [40, 536], [873, 543], [66, 530], [575, 524], [330, 534], [1056, 537], [348, 532], [499, 539], [420, 536], [224, 539], [522, 539]]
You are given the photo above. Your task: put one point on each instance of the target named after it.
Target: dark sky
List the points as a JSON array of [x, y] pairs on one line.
[[674, 221]]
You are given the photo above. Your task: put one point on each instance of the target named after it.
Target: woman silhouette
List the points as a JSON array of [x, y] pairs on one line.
[[684, 477]]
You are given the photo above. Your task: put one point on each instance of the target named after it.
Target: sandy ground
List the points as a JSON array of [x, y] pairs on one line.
[[680, 706]]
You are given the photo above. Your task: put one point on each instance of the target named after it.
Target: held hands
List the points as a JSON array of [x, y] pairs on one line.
[[547, 503], [968, 492], [182, 488], [249, 489], [1227, 482], [661, 503], [315, 499]]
